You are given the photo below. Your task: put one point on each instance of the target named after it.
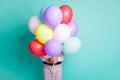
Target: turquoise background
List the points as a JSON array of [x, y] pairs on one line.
[[99, 31]]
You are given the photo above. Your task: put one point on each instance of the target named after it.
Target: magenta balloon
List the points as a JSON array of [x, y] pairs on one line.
[[53, 48], [73, 27], [53, 16]]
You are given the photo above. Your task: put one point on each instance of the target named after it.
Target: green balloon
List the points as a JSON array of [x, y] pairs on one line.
[[72, 45]]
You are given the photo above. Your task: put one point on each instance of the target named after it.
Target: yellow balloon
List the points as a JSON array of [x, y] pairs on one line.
[[43, 33]]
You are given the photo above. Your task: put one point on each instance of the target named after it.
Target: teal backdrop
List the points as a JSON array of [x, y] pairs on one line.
[[99, 31]]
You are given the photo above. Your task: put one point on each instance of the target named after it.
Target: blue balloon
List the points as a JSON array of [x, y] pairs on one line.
[[41, 15], [72, 45]]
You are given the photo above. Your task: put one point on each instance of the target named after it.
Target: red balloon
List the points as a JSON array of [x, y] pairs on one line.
[[67, 14], [36, 48]]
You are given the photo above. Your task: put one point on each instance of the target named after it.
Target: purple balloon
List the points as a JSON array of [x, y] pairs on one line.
[[53, 48], [73, 27], [53, 16]]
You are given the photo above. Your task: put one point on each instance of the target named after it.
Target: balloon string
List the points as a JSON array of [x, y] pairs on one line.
[[53, 74]]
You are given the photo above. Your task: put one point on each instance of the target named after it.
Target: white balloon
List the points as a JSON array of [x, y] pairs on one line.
[[33, 22], [62, 32]]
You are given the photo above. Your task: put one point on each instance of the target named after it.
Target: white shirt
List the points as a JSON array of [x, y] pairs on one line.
[[60, 58]]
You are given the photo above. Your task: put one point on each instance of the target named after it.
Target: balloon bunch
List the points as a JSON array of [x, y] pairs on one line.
[[57, 35]]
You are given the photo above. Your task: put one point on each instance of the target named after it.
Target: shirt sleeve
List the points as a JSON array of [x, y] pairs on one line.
[[44, 58], [60, 57]]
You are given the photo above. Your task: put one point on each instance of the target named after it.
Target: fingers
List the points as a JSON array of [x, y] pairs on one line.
[[52, 60], [49, 60]]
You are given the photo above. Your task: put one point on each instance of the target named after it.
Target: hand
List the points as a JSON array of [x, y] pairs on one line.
[[54, 60], [49, 60]]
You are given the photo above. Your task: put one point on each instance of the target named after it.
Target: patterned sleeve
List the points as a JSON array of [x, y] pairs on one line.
[[60, 57], [44, 58]]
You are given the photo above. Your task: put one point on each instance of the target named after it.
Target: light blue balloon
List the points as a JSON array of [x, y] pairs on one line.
[[72, 45]]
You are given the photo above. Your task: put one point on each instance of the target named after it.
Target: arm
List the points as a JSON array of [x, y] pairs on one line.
[[45, 58], [53, 59]]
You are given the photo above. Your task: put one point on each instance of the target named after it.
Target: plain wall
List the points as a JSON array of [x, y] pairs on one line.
[[99, 31]]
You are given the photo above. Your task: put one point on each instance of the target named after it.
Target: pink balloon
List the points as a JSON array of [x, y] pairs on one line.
[[33, 22]]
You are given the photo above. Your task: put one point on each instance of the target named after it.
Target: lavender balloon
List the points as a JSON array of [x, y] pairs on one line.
[[73, 27], [53, 16], [53, 48]]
